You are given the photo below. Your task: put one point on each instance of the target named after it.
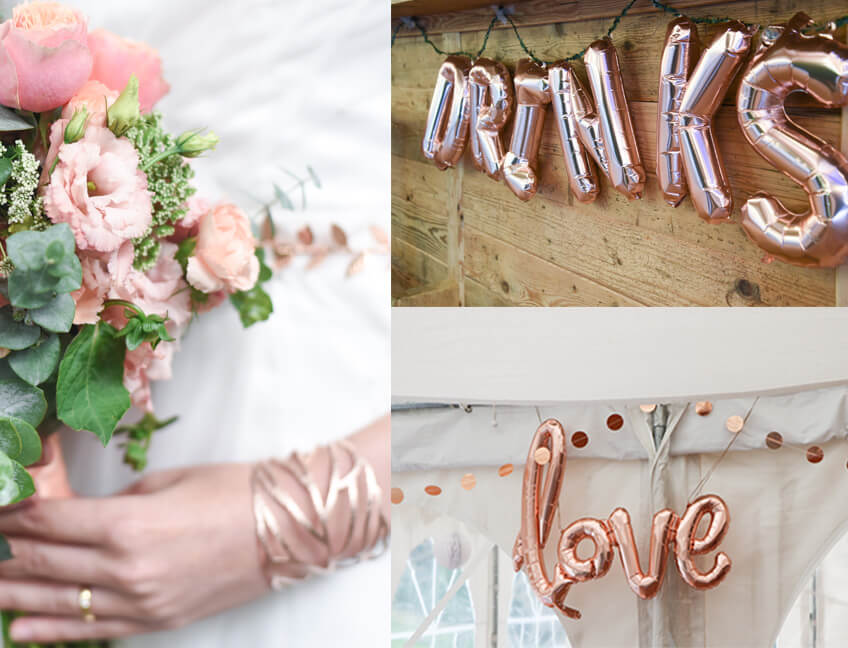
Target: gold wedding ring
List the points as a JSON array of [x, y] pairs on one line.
[[84, 600]]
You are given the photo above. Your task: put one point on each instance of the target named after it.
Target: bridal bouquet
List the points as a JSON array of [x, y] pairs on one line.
[[106, 254]]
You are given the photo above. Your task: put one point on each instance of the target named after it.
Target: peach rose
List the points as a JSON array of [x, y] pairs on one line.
[[224, 258], [44, 56], [96, 98], [97, 188], [116, 58]]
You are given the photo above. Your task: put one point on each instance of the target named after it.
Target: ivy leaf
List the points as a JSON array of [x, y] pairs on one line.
[[15, 482], [16, 335], [45, 265], [90, 393], [57, 315], [37, 363], [11, 121], [253, 305], [19, 440], [21, 400]]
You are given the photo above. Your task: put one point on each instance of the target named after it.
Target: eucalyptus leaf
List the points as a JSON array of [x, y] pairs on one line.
[[37, 363], [16, 335], [314, 176], [57, 315], [283, 199], [90, 393], [21, 400], [19, 440], [15, 482], [45, 263], [10, 121]]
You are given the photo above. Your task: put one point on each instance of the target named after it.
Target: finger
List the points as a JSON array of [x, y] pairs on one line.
[[76, 520], [155, 482], [52, 629], [37, 560], [62, 600]]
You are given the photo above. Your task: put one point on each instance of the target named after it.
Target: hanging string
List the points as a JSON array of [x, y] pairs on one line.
[[504, 17], [697, 490]]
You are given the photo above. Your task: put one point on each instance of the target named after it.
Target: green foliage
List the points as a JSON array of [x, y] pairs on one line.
[[22, 401], [37, 363], [254, 305], [185, 250], [139, 436], [45, 264], [57, 315], [141, 328], [90, 392], [14, 332], [168, 178], [15, 482], [20, 204], [19, 440]]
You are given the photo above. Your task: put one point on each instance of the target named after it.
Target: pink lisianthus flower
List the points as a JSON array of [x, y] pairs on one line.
[[224, 258], [96, 98], [44, 56], [100, 270], [97, 188], [159, 291], [143, 365], [116, 58]]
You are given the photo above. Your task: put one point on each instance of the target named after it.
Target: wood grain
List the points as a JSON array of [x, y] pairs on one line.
[[460, 226]]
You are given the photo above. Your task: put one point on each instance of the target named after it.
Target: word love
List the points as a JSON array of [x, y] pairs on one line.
[[539, 502], [478, 100]]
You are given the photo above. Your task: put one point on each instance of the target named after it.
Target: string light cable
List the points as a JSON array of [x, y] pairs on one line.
[[502, 15]]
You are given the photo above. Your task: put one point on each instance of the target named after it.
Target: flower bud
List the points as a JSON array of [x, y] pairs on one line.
[[124, 113], [191, 143], [75, 129]]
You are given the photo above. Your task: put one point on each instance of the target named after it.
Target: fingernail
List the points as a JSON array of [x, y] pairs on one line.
[[20, 631]]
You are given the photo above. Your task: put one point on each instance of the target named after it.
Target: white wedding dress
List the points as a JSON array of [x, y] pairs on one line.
[[284, 84]]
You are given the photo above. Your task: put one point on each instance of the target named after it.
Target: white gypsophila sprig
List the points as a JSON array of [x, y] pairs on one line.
[[24, 206]]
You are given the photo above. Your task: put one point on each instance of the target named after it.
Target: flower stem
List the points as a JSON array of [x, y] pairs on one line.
[[161, 155]]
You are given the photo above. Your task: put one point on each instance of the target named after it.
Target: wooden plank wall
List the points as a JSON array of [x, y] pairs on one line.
[[458, 238]]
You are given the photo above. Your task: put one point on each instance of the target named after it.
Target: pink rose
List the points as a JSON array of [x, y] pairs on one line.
[[224, 258], [95, 97], [44, 56], [97, 188], [116, 58]]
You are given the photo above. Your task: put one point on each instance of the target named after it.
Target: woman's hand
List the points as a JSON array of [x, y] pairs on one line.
[[175, 547]]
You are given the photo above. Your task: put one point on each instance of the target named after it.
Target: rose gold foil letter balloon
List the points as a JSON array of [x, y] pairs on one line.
[[817, 65], [624, 166], [577, 125], [688, 545], [644, 585], [679, 55], [705, 174], [447, 122], [576, 568], [491, 107], [531, 95], [539, 502]]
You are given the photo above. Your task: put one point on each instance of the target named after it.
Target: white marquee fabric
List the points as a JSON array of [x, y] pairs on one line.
[[781, 375]]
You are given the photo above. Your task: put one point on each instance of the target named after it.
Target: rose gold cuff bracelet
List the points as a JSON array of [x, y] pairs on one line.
[[300, 533]]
